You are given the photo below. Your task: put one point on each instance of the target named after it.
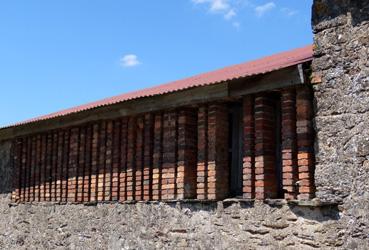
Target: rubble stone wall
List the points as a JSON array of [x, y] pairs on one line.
[[341, 74]]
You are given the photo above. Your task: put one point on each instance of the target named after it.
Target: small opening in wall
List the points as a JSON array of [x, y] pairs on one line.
[[235, 149]]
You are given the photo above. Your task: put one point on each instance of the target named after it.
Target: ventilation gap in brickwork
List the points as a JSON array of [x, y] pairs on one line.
[[235, 149]]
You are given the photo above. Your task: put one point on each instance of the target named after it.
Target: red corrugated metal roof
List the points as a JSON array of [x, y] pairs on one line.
[[260, 66]]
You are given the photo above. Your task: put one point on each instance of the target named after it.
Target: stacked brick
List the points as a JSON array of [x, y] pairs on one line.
[[297, 153], [157, 157], [289, 146], [187, 150], [202, 153], [305, 142], [212, 167], [139, 159], [169, 164], [147, 161], [174, 154], [265, 158], [248, 148], [131, 166], [123, 160]]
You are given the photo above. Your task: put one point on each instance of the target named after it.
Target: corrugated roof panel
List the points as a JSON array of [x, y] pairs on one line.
[[260, 66]]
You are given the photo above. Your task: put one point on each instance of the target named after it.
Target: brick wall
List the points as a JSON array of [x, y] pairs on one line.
[[174, 154]]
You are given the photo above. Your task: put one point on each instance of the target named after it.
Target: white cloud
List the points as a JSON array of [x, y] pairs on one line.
[[230, 14], [129, 60], [215, 5], [289, 12], [226, 8], [262, 9]]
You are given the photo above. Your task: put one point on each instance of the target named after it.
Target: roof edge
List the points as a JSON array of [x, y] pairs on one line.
[[251, 68]]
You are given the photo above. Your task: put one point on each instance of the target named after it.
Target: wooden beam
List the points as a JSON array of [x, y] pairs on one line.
[[188, 97], [283, 78]]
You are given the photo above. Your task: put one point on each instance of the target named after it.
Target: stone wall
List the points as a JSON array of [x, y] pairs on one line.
[[341, 71], [229, 224]]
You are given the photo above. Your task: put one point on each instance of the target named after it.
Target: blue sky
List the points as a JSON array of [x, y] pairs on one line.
[[58, 54]]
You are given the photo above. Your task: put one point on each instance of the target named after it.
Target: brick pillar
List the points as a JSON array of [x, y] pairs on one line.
[[148, 153], [32, 169], [64, 183], [54, 170], [28, 170], [218, 169], [116, 160], [139, 158], [169, 166], [24, 169], [289, 146], [131, 157], [305, 143], [123, 161], [95, 162], [72, 170], [38, 167], [81, 165], [265, 174], [101, 162], [248, 148], [202, 153], [187, 144], [157, 157], [87, 171], [108, 161]]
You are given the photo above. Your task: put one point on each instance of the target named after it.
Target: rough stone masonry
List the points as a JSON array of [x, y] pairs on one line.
[[339, 221]]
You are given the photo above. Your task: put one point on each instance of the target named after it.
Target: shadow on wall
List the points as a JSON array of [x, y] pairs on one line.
[[320, 214], [5, 168], [325, 10]]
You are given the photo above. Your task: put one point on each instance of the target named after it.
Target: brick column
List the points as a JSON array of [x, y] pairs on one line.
[[202, 153], [29, 168], [187, 144], [64, 188], [88, 164], [73, 163], [157, 157], [81, 165], [148, 153], [131, 158], [248, 148], [265, 174], [116, 153], [218, 169], [32, 169], [289, 146], [38, 167], [305, 143], [108, 161], [139, 158], [24, 171], [54, 170], [123, 160], [94, 163], [169, 167], [101, 162]]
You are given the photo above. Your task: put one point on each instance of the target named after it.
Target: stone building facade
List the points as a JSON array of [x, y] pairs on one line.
[[276, 159]]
